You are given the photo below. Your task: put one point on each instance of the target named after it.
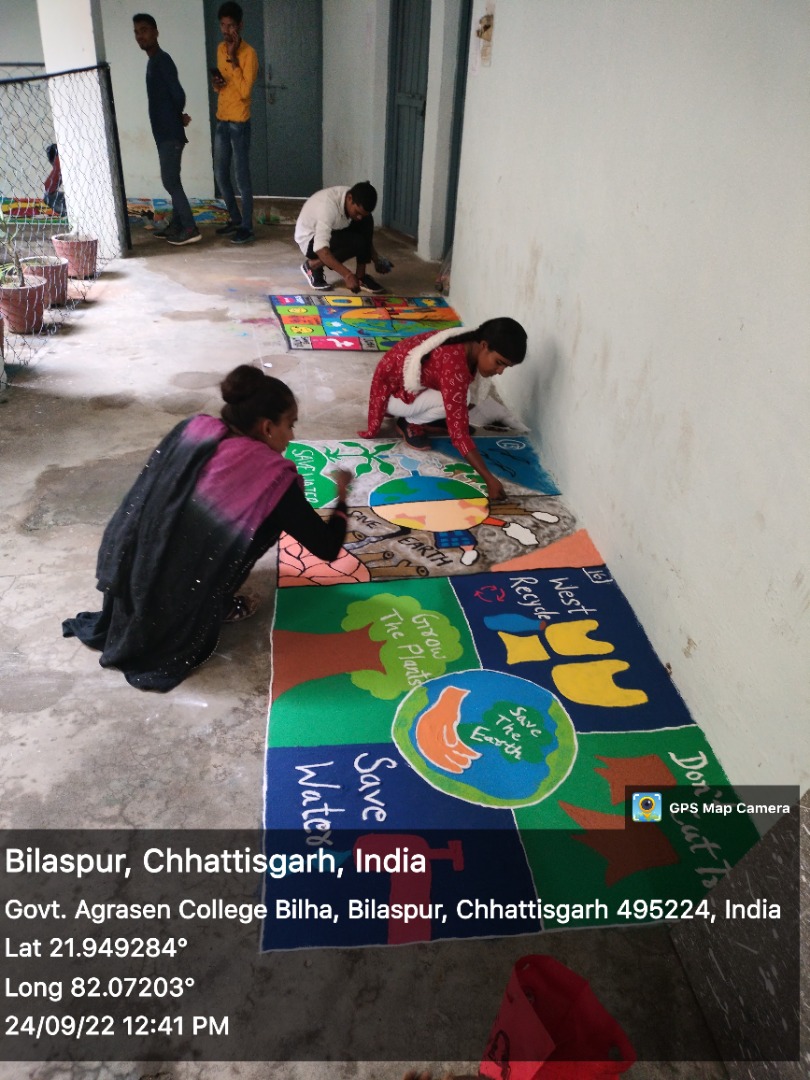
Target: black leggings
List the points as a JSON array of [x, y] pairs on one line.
[[355, 241]]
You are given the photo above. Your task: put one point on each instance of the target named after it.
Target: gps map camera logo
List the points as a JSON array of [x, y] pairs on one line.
[[647, 806]]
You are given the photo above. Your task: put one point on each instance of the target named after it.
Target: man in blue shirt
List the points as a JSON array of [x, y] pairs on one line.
[[167, 100]]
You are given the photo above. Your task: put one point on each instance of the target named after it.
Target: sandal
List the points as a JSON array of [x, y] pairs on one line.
[[415, 440], [242, 607]]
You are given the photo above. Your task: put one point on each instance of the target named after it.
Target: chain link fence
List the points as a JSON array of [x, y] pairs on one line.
[[62, 203]]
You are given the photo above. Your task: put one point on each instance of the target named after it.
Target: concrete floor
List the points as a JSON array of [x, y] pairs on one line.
[[83, 749]]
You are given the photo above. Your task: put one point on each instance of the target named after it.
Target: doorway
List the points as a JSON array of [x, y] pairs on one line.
[[286, 131], [408, 67]]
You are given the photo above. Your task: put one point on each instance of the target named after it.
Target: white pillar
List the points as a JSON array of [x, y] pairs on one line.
[[445, 16], [72, 38]]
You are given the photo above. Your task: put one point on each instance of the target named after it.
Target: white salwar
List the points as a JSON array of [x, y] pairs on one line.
[[428, 406]]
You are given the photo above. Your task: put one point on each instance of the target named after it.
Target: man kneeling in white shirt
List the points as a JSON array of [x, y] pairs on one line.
[[336, 225]]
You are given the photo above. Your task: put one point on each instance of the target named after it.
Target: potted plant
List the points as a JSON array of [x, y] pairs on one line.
[[22, 299], [55, 272], [80, 251]]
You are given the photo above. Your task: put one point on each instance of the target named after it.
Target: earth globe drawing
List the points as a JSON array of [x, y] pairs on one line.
[[486, 737], [439, 504], [397, 322]]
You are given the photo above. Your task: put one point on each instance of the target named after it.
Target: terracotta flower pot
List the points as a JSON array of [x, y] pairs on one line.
[[55, 272], [23, 306], [81, 253]]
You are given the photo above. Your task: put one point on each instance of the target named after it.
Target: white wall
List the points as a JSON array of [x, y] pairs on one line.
[[355, 90], [355, 79], [442, 62], [20, 41], [22, 173], [182, 34], [181, 27], [72, 39], [634, 189], [70, 34]]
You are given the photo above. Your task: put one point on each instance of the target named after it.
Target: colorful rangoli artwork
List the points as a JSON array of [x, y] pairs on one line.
[[150, 211], [361, 323], [487, 717], [417, 514], [139, 211], [32, 210]]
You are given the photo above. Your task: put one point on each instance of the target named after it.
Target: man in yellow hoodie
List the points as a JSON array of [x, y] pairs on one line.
[[237, 68]]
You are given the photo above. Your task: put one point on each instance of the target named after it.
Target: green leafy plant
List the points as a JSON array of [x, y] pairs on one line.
[[7, 233], [11, 273]]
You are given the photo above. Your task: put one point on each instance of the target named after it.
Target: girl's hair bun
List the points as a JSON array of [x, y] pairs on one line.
[[250, 395], [241, 384]]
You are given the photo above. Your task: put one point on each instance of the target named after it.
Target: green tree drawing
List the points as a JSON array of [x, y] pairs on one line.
[[417, 644]]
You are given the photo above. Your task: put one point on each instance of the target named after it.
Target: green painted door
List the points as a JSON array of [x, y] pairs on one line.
[[408, 74], [293, 95]]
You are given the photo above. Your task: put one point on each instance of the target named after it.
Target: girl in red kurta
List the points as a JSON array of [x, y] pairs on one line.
[[435, 376]]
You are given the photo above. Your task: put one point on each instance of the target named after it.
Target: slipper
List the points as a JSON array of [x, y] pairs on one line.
[[414, 440], [242, 607]]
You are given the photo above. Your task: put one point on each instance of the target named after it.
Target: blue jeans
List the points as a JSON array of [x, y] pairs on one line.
[[232, 140], [169, 153]]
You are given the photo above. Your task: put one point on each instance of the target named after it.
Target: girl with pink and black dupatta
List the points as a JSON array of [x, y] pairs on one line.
[[212, 499]]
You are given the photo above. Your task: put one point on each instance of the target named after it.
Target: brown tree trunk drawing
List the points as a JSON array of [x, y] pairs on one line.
[[301, 657]]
